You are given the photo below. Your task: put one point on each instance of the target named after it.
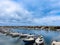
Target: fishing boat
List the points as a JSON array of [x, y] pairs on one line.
[[55, 43], [39, 41]]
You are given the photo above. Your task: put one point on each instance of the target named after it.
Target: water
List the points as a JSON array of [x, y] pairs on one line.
[[48, 36]]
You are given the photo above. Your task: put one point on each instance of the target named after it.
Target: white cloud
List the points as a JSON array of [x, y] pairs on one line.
[[48, 9], [11, 11], [49, 20]]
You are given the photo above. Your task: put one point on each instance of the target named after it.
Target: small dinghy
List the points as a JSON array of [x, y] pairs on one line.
[[29, 40], [39, 41], [55, 43]]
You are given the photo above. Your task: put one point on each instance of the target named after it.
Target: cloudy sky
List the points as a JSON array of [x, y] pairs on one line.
[[29, 12]]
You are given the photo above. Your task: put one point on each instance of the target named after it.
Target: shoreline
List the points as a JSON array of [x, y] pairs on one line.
[[33, 27]]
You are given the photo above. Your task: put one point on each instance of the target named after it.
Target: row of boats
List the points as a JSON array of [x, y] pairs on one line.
[[29, 39]]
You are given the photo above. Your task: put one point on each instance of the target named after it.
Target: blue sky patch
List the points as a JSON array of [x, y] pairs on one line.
[[29, 12]]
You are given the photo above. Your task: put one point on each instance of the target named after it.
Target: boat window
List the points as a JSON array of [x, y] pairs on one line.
[[40, 40]]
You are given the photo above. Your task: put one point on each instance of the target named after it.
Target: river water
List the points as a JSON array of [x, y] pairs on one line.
[[49, 36]]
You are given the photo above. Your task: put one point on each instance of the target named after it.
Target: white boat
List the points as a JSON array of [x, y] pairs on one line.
[[29, 40], [22, 36], [39, 41], [55, 43], [14, 34]]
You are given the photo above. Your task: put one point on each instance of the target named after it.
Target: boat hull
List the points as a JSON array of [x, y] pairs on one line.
[[40, 44], [29, 42]]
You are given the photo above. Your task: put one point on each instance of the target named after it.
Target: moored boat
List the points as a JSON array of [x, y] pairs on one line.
[[55, 43], [14, 34], [22, 36], [29, 40], [39, 41]]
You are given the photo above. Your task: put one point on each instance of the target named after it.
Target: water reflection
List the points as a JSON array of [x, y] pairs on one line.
[[48, 35]]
